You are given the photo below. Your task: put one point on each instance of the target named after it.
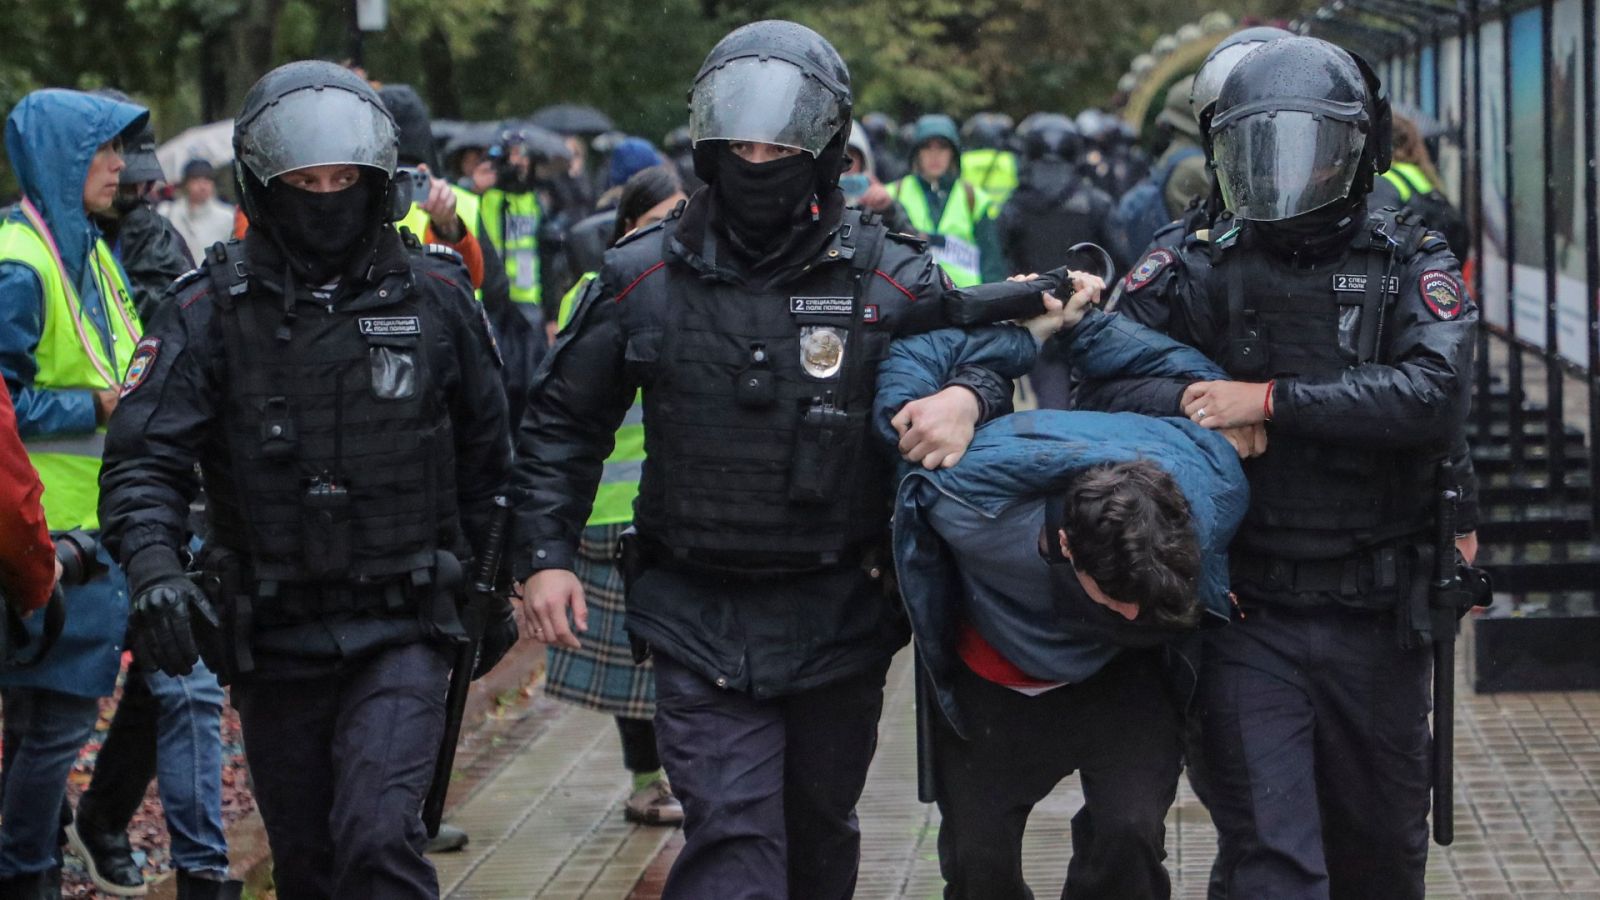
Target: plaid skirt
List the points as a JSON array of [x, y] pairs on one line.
[[602, 676]]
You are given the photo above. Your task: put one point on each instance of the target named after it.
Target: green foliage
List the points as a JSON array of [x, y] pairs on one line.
[[192, 60]]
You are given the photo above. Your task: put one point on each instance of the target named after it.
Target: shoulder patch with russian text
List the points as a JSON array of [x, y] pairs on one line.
[[144, 359], [1442, 295], [1154, 263]]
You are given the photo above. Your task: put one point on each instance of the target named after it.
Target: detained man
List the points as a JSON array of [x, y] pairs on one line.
[[1052, 578]]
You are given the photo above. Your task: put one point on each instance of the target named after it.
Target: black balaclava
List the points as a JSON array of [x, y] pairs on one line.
[[1318, 235], [761, 202], [322, 233]]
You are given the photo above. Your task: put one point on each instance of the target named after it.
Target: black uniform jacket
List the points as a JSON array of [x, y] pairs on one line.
[[767, 637], [168, 419], [1418, 396]]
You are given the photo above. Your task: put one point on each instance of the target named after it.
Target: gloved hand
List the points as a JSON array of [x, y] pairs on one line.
[[164, 600], [499, 636]]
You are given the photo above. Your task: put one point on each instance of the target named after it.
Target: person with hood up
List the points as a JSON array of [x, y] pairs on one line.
[[152, 251], [1054, 581], [951, 213], [67, 333], [863, 188]]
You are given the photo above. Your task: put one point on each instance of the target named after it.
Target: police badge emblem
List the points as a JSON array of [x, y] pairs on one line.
[[1440, 293], [822, 350]]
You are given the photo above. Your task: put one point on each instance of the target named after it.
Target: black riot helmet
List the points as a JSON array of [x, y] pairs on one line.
[[1223, 57], [987, 131], [309, 113], [773, 82], [1300, 124], [1050, 135]]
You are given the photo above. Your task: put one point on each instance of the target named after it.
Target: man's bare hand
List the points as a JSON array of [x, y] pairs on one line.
[[936, 430], [1468, 545], [546, 599], [1225, 404], [1248, 440]]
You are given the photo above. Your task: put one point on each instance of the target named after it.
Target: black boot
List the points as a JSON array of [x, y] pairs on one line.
[[37, 886], [199, 887], [107, 856]]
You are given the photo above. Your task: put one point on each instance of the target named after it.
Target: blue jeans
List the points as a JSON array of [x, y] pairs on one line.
[[189, 767], [44, 730]]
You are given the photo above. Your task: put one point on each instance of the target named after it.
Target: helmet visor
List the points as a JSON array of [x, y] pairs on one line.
[[317, 127], [1277, 165], [767, 101]]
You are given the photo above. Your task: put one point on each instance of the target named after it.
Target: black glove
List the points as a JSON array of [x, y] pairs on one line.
[[499, 636], [163, 599]]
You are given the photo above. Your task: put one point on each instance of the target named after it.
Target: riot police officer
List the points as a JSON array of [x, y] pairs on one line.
[[338, 389], [1054, 207], [754, 319], [1349, 336]]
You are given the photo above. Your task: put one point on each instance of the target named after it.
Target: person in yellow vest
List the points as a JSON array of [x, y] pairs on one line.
[[601, 675], [989, 160], [1412, 184], [511, 214], [950, 212], [68, 331]]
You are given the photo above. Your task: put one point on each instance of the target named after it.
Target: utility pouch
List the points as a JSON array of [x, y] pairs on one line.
[[225, 647], [822, 448], [325, 530]]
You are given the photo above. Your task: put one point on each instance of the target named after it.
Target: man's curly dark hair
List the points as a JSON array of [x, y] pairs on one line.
[[1129, 528]]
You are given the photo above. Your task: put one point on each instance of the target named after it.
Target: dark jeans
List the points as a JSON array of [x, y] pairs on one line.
[[638, 745], [1119, 730], [1316, 748], [44, 730], [769, 787], [340, 765]]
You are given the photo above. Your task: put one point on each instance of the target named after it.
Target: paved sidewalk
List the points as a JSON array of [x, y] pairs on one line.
[[549, 822]]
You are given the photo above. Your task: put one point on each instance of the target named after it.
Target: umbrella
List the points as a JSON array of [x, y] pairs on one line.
[[571, 118], [537, 140], [475, 134], [212, 143]]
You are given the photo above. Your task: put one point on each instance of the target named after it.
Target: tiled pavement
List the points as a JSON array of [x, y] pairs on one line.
[[548, 824]]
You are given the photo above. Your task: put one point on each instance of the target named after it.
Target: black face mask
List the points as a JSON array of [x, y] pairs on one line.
[[1316, 235], [761, 201], [320, 232]]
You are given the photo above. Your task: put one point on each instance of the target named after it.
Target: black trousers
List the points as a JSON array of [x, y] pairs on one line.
[[1316, 745], [769, 787], [340, 765], [1119, 730]]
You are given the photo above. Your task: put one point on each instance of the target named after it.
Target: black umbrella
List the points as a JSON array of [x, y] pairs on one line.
[[471, 134], [538, 141], [572, 118]]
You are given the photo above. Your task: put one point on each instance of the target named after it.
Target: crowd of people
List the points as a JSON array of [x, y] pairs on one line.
[[739, 415]]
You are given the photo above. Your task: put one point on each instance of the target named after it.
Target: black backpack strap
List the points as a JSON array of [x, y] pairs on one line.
[[866, 235]]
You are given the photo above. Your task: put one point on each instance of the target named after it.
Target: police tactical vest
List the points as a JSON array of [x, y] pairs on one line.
[[757, 456], [1310, 499], [343, 461], [72, 354]]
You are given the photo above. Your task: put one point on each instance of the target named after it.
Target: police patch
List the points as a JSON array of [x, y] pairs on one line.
[[821, 306], [869, 313], [384, 326], [1148, 268], [1441, 294], [1358, 284], [144, 359]]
